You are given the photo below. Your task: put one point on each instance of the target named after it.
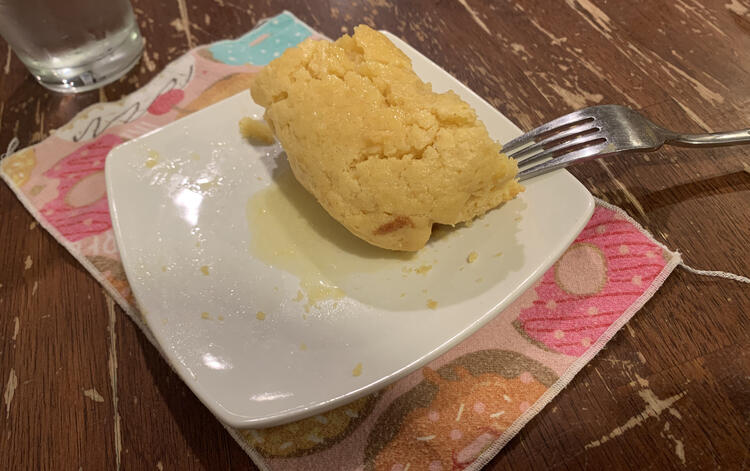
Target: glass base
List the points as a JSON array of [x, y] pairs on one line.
[[110, 65]]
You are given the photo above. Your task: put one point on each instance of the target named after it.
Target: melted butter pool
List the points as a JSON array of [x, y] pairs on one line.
[[292, 232]]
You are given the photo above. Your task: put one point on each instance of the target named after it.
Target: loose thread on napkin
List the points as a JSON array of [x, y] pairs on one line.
[[12, 146], [716, 273]]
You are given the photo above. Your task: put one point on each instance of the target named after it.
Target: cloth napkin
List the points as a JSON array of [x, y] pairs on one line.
[[457, 412]]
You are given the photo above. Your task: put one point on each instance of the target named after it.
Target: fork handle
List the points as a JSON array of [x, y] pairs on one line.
[[709, 139]]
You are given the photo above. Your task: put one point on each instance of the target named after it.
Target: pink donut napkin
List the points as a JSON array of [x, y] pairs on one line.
[[457, 412]]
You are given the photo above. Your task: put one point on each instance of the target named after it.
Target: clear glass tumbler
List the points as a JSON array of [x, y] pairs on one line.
[[72, 45]]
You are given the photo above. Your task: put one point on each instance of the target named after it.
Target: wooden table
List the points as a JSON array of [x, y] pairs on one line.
[[672, 389]]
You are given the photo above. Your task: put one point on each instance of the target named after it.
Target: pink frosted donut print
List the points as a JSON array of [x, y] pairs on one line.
[[80, 208], [605, 270]]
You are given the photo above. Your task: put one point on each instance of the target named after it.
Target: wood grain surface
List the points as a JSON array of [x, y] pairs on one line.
[[83, 389]]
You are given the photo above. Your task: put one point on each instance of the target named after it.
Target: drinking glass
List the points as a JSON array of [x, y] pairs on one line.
[[72, 45]]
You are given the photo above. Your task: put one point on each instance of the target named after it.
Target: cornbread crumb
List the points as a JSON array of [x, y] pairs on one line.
[[357, 370], [153, 159], [300, 296], [256, 130], [432, 304], [204, 270], [260, 315], [380, 151], [205, 315], [423, 269], [221, 318], [498, 254], [471, 258], [303, 346]]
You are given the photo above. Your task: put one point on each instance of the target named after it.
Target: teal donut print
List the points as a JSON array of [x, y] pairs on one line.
[[263, 44]]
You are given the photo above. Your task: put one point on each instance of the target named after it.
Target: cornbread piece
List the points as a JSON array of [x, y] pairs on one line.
[[382, 153], [256, 130]]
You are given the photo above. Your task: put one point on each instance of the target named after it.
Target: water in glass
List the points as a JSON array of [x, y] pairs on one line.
[[72, 45]]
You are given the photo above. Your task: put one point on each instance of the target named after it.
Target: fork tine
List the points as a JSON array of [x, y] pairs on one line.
[[562, 121], [571, 145], [526, 152], [564, 160]]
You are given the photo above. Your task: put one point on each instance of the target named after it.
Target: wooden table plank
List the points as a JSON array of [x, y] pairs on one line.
[[55, 343], [671, 390]]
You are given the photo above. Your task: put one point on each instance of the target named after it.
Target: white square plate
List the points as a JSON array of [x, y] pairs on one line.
[[254, 336]]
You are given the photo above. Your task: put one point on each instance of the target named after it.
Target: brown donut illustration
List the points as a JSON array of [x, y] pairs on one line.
[[456, 412], [313, 434], [225, 87]]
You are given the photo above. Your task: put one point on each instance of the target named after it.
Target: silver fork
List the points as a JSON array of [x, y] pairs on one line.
[[600, 131]]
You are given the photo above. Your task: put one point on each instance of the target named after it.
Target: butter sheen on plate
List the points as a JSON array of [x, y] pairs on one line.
[[380, 151]]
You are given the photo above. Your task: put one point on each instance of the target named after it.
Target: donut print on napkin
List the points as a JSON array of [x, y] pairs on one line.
[[602, 273]]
